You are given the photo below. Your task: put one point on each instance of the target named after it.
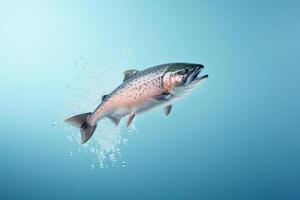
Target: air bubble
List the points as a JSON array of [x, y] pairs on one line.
[[130, 132], [112, 158], [55, 124], [123, 164], [92, 150], [125, 141]]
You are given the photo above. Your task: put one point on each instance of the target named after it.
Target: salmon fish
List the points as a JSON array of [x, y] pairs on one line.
[[140, 91]]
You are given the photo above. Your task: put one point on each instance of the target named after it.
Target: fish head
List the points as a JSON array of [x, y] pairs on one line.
[[182, 77]]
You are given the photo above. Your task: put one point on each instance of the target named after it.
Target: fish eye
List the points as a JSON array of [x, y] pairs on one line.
[[183, 72]]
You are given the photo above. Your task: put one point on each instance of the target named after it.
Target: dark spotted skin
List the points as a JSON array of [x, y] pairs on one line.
[[136, 94], [132, 93]]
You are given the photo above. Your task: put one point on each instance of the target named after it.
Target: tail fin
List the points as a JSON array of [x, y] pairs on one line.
[[80, 121]]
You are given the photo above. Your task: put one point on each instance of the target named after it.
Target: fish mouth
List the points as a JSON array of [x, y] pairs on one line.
[[194, 75]]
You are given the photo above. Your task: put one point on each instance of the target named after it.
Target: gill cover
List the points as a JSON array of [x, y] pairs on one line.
[[172, 80]]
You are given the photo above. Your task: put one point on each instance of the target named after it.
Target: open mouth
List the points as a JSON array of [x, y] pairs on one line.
[[200, 77], [194, 76]]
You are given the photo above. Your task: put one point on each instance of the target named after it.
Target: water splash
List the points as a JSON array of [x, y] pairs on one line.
[[95, 77]]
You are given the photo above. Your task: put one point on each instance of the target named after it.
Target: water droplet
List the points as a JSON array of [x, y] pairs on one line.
[[92, 150], [55, 124], [129, 132], [123, 164], [125, 141], [92, 166], [112, 157], [97, 151]]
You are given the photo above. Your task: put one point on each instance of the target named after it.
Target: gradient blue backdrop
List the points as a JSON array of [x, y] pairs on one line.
[[236, 137]]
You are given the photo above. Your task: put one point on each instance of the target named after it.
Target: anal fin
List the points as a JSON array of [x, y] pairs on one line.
[[130, 119], [167, 109]]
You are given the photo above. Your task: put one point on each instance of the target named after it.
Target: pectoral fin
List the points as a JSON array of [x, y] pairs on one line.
[[165, 96], [130, 119], [129, 73], [167, 110]]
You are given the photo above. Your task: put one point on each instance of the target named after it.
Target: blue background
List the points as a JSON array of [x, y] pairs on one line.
[[235, 137]]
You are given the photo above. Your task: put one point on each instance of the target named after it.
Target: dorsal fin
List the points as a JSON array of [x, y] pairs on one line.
[[104, 96], [129, 73]]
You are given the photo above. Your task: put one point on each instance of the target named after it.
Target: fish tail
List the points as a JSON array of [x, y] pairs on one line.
[[80, 121]]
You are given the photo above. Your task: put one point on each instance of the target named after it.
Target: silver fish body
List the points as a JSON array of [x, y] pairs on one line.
[[141, 91]]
